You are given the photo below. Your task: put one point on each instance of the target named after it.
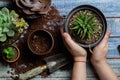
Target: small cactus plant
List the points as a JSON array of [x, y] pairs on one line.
[[84, 25], [10, 24]]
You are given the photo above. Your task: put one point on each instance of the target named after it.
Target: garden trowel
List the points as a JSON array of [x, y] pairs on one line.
[[53, 63]]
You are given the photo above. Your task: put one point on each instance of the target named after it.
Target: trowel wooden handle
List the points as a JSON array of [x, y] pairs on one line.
[[32, 73]]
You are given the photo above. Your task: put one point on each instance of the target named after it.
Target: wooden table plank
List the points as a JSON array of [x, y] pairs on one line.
[[114, 63], [111, 9], [113, 48]]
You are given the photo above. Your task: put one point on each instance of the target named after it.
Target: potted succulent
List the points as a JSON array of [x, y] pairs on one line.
[[11, 26], [86, 25], [10, 53], [40, 42], [32, 8]]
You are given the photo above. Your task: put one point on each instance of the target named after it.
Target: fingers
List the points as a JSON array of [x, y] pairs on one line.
[[67, 38], [106, 37], [64, 34], [70, 43]]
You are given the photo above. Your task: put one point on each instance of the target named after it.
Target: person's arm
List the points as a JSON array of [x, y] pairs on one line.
[[99, 60], [119, 78], [79, 56], [79, 71]]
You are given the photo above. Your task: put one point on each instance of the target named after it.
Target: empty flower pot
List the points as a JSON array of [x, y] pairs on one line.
[[40, 42]]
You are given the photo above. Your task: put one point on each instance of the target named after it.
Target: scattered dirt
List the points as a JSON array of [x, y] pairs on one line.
[[49, 22]]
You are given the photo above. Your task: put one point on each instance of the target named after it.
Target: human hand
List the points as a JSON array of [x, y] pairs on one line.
[[79, 53], [100, 51]]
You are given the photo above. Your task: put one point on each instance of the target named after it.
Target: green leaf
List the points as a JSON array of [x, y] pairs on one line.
[[5, 11], [91, 20], [5, 18], [93, 27], [5, 51], [81, 33], [80, 20], [12, 53], [84, 33], [1, 24], [11, 33], [0, 29], [4, 14], [82, 16], [1, 16], [76, 23], [78, 31], [26, 26], [8, 25], [5, 29], [3, 38], [88, 35], [12, 16], [10, 49], [8, 57], [75, 27], [1, 34]]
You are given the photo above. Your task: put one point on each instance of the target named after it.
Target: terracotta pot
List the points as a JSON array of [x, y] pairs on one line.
[[40, 42], [15, 58], [97, 14]]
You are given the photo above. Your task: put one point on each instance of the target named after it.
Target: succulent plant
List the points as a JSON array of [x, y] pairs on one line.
[[9, 52], [10, 24], [84, 25], [32, 8]]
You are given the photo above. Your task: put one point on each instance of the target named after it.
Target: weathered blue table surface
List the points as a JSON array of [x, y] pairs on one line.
[[111, 10]]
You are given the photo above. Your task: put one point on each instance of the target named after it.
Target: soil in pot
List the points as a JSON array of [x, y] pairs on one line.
[[87, 25], [95, 33], [41, 42]]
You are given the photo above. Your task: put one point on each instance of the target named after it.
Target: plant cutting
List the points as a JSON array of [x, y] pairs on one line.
[[40, 42], [86, 25], [11, 26], [10, 53]]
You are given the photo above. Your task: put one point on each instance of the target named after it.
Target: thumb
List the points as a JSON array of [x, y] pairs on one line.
[[106, 37]]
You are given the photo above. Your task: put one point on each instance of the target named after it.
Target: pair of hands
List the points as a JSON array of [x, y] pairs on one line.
[[80, 54]]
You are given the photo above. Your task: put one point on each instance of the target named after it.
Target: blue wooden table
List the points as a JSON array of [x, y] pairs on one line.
[[111, 10]]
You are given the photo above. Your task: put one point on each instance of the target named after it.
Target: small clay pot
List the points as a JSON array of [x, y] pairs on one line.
[[15, 58], [40, 42]]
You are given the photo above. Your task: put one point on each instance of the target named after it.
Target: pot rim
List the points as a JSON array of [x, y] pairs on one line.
[[18, 54], [97, 12], [29, 41]]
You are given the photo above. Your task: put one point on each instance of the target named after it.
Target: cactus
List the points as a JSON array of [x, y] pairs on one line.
[[84, 25], [10, 23]]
